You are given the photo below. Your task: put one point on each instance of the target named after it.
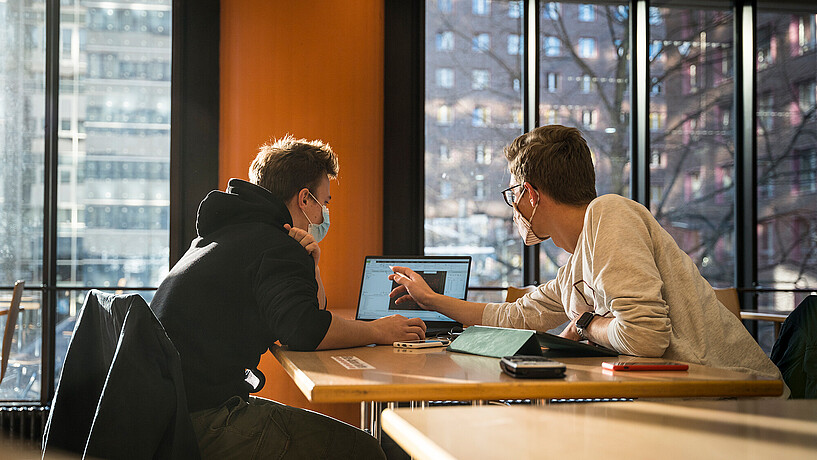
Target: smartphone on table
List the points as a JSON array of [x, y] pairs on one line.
[[532, 367], [427, 343], [636, 366]]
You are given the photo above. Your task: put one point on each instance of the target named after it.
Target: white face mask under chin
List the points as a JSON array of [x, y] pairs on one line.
[[524, 227]]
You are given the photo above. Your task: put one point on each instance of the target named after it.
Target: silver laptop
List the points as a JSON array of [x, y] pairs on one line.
[[444, 274]]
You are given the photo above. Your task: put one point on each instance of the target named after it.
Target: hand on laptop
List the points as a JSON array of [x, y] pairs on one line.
[[398, 328], [412, 286], [306, 240]]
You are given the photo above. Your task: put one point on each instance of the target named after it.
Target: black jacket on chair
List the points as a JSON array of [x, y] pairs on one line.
[[795, 351], [121, 393]]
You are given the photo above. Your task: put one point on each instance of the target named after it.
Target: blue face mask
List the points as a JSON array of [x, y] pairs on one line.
[[318, 231]]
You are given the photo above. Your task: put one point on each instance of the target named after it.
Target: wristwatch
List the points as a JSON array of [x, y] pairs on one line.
[[583, 322]]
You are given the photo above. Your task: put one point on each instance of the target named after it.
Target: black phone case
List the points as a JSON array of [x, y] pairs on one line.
[[532, 373]]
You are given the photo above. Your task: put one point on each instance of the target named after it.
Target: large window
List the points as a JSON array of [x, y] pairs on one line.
[[786, 65], [109, 173], [593, 97], [465, 122], [694, 194], [676, 143]]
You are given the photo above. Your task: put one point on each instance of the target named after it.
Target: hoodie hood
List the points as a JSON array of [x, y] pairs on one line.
[[241, 203]]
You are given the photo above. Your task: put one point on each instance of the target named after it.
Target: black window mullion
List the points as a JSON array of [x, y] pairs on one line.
[[639, 30], [530, 113], [51, 164], [745, 154], [404, 128]]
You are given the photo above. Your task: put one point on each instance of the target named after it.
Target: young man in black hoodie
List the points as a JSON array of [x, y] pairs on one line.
[[249, 279]]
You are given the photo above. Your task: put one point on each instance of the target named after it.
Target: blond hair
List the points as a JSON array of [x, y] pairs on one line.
[[287, 165]]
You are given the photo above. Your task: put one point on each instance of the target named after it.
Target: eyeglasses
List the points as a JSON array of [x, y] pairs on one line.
[[510, 196]]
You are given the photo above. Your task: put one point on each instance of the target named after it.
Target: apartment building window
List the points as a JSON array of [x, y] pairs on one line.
[[515, 9], [765, 111], [445, 116], [445, 77], [481, 7], [589, 118], [553, 10], [518, 117], [481, 43], [515, 45], [553, 46], [807, 95], [587, 13], [446, 189], [445, 153], [587, 47], [656, 159], [552, 80], [551, 117], [480, 79], [806, 33], [656, 51], [656, 121], [806, 170], [765, 48], [585, 84], [479, 187], [694, 185], [692, 74], [482, 154], [445, 41], [481, 116], [657, 87]]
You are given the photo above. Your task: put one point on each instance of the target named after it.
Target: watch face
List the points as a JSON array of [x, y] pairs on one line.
[[585, 319]]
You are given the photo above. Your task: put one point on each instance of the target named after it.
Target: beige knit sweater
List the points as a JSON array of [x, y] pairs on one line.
[[635, 272]]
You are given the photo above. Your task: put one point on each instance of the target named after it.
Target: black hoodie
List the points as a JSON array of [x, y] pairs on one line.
[[242, 285]]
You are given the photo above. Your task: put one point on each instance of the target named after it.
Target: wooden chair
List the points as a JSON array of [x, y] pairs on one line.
[[729, 298], [514, 293], [11, 321]]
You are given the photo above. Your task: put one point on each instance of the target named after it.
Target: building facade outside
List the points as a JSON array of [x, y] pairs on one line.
[[114, 159]]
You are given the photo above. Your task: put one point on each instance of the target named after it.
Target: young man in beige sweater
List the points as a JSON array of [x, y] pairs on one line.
[[627, 285]]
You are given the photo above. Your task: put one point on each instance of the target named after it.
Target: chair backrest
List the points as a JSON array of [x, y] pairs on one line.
[[515, 292], [11, 322], [793, 350], [729, 298], [121, 391]]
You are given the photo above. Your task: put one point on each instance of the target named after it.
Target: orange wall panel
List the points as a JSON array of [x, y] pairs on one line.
[[314, 70]]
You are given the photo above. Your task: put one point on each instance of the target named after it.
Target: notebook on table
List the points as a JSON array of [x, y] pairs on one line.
[[446, 275]]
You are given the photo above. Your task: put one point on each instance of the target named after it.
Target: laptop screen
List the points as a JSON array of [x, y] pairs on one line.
[[444, 274]]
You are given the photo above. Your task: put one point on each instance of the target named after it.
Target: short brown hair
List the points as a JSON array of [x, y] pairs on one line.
[[285, 166], [556, 160]]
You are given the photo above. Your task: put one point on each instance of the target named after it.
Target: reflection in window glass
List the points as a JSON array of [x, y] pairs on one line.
[[690, 99], [464, 211], [786, 151], [588, 91]]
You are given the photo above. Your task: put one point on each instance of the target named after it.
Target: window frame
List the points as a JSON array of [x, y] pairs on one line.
[[194, 121], [404, 146]]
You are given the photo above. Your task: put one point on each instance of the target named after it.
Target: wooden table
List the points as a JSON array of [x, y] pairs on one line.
[[744, 429], [395, 374]]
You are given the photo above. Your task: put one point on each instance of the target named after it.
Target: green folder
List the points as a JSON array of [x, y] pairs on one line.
[[496, 342], [499, 341]]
